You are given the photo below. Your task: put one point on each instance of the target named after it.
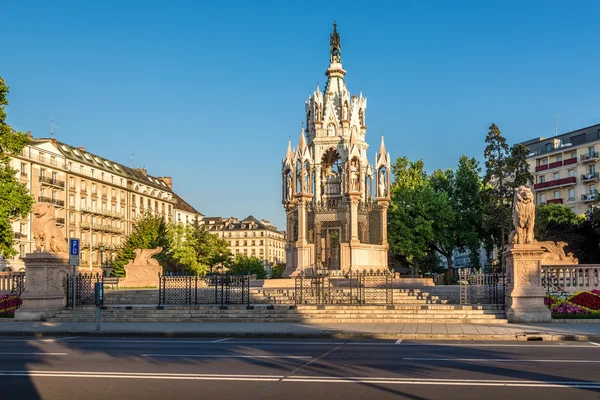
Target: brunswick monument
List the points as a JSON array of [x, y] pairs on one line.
[[335, 201]]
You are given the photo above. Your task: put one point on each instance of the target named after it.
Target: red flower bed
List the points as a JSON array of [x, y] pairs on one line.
[[586, 299], [9, 303]]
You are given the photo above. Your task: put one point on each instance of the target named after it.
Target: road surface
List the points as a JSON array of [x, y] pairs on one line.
[[226, 368]]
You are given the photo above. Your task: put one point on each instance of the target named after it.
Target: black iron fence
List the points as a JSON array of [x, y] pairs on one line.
[[338, 287], [211, 289], [84, 289], [478, 287]]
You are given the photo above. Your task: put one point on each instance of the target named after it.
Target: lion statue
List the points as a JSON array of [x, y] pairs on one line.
[[523, 216], [48, 237]]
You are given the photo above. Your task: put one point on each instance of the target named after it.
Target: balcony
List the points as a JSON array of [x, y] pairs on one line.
[[72, 189], [101, 228], [555, 164], [588, 197], [23, 174], [556, 183], [19, 235], [104, 196], [60, 221], [83, 190], [570, 161], [554, 201], [592, 157], [56, 202], [590, 177], [52, 182], [542, 167]]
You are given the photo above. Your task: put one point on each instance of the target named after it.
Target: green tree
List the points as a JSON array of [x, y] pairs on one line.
[[410, 221], [248, 265], [550, 218], [148, 232], [518, 168], [496, 192], [209, 249], [15, 200]]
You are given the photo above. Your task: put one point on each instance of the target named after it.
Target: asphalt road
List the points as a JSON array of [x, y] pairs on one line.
[[224, 368]]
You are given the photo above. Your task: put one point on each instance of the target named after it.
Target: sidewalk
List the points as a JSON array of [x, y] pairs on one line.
[[416, 331]]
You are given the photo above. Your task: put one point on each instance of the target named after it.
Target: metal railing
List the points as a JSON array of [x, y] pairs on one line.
[[51, 181], [210, 289], [589, 157], [478, 287], [338, 287], [57, 202], [84, 286], [590, 177]]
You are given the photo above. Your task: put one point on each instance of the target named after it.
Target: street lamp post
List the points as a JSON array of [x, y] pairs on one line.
[[101, 249]]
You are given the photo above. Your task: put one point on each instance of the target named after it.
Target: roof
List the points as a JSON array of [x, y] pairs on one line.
[[181, 204], [233, 224], [83, 156]]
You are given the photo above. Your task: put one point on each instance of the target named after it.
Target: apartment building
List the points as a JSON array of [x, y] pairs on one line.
[[95, 199], [565, 168], [250, 237]]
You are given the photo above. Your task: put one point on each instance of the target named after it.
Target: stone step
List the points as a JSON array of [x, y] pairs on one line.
[[321, 321]]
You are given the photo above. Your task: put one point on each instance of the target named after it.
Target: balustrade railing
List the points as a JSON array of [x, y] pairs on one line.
[[571, 278]]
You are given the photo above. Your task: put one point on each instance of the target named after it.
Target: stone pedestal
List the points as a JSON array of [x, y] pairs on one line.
[[139, 276], [44, 294], [524, 291]]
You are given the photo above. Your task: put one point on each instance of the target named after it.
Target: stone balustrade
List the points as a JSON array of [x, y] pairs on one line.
[[572, 278]]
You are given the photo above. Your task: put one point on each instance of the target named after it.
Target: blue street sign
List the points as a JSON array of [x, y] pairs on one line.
[[74, 247]]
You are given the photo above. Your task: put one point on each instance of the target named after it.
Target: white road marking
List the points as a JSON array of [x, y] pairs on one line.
[[33, 354], [594, 343], [221, 340], [299, 378], [498, 360], [398, 341], [223, 356]]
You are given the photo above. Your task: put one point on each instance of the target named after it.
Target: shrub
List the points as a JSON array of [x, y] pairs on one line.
[[277, 271], [587, 300], [566, 308], [9, 304]]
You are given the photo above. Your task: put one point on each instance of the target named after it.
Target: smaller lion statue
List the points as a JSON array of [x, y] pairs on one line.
[[48, 237], [523, 216]]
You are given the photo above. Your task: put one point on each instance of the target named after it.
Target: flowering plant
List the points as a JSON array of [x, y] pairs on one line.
[[566, 308], [587, 300], [9, 304]]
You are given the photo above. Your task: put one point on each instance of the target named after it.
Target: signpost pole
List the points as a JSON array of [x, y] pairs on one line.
[[74, 261]]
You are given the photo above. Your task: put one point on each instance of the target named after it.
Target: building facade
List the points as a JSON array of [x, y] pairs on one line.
[[335, 201], [565, 168], [250, 237], [95, 199]]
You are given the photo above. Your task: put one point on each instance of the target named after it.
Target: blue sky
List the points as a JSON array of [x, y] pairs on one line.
[[210, 92]]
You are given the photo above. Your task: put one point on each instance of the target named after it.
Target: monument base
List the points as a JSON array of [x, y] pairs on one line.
[[140, 276], [44, 294], [525, 294]]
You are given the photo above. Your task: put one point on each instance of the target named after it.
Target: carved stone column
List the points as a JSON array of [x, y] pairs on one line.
[[384, 204], [318, 183], [354, 200], [524, 291], [44, 294]]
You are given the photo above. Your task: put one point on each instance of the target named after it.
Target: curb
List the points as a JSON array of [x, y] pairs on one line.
[[530, 336]]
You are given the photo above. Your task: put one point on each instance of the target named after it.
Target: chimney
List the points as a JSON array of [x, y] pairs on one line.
[[81, 148], [29, 134], [142, 170], [168, 180]]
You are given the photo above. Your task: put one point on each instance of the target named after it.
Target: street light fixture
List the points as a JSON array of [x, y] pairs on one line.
[[101, 248]]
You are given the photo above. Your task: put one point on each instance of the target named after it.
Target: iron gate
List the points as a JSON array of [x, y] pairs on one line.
[[477, 287], [337, 287], [84, 284], [210, 289]]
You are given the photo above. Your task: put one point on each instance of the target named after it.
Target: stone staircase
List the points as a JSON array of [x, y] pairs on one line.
[[401, 313], [410, 305]]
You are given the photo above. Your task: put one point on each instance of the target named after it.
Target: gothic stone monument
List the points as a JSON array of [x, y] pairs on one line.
[[143, 270], [335, 201], [46, 268]]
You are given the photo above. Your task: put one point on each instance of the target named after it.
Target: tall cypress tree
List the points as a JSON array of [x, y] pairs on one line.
[[15, 200], [497, 157]]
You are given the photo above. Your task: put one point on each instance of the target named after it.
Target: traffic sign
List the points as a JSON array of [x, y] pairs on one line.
[[74, 252]]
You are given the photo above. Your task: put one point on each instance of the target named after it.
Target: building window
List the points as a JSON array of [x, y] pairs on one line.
[[556, 175], [559, 157], [557, 194], [548, 146], [71, 182], [591, 150], [571, 194], [592, 189], [23, 169], [72, 201], [93, 188], [237, 242], [571, 173], [573, 154], [542, 198]]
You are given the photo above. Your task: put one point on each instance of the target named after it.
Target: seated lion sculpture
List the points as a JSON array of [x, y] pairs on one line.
[[48, 237], [144, 257], [523, 216]]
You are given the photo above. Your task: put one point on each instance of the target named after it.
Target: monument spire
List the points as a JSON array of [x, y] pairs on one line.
[[335, 46]]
